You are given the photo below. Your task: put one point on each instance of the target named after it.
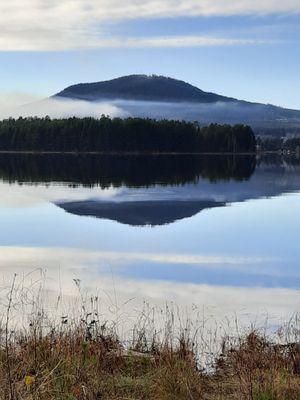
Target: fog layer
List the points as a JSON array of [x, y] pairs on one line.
[[62, 108], [259, 116]]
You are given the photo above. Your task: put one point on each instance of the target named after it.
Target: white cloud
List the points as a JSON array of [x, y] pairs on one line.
[[175, 41], [76, 24], [60, 108], [80, 41]]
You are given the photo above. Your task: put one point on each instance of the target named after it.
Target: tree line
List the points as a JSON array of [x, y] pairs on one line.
[[122, 135]]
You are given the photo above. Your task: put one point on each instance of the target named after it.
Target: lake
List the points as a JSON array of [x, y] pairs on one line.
[[217, 234]]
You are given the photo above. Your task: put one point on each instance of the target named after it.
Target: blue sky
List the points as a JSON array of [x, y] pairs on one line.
[[245, 49]]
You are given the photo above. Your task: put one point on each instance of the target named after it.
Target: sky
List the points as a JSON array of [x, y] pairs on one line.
[[248, 49]]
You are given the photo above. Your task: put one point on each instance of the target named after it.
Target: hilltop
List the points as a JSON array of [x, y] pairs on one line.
[[142, 87], [161, 97]]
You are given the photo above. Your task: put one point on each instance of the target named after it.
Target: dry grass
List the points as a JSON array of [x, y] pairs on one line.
[[86, 360], [70, 364], [87, 363]]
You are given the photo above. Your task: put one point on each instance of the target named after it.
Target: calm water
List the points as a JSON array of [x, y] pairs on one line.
[[217, 233]]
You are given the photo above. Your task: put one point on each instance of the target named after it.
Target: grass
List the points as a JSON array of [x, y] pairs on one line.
[[66, 365], [85, 359]]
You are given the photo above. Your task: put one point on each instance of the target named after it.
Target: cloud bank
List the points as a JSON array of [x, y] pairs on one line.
[[62, 108], [75, 24]]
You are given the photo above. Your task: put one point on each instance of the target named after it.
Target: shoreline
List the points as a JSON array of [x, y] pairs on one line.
[[132, 153], [86, 359]]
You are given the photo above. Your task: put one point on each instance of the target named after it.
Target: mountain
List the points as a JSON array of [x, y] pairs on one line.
[[142, 87], [162, 97]]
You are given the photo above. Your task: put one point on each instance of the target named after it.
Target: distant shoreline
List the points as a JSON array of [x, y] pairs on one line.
[[131, 153], [141, 154]]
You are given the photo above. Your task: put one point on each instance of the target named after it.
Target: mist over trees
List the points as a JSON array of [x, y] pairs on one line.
[[122, 135], [161, 97]]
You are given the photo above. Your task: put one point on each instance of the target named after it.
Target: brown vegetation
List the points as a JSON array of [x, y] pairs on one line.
[[86, 360], [89, 363]]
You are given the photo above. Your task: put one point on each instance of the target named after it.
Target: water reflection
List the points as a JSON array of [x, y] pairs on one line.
[[219, 181], [116, 171], [216, 231], [139, 213], [55, 270], [130, 172]]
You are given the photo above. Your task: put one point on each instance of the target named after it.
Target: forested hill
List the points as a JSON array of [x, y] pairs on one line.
[[142, 87], [132, 135], [160, 97]]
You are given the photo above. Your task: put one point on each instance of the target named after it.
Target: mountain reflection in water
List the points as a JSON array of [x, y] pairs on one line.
[[139, 213], [155, 190]]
